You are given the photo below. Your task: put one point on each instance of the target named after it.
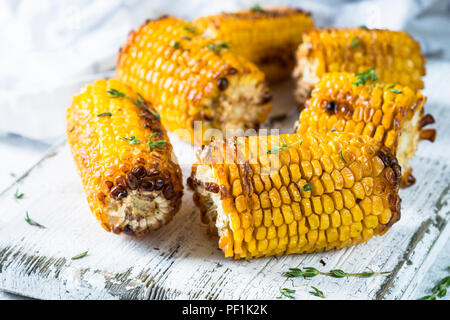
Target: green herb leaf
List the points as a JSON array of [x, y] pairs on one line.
[[189, 28], [31, 222], [256, 8], [355, 42], [132, 140], [80, 256], [365, 76], [217, 47], [307, 187], [116, 94], [159, 144], [317, 292], [176, 44], [364, 27], [186, 37], [105, 114], [391, 89], [287, 293], [440, 290], [337, 273], [342, 157], [277, 149], [333, 130], [18, 195]]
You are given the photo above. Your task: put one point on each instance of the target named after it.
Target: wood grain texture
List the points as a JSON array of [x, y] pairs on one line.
[[180, 261]]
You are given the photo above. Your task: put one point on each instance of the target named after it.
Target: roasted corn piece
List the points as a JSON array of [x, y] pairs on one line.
[[296, 193], [130, 176], [395, 55], [267, 37], [190, 78], [391, 114]]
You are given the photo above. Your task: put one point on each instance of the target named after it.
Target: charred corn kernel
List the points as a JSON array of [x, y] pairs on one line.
[[123, 156], [398, 123], [267, 37], [198, 82], [355, 50], [289, 220]]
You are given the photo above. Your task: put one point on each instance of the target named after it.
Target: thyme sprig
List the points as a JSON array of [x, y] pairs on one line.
[[80, 256], [217, 47], [439, 290], [31, 222], [365, 76], [189, 28], [256, 8], [391, 89], [309, 272], [317, 292], [355, 42], [132, 140], [307, 187], [159, 144], [104, 114], [277, 149], [18, 195], [286, 293], [140, 102]]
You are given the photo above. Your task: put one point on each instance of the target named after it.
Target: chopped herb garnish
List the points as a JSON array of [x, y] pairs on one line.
[[12, 174], [79, 256], [333, 130], [176, 44], [307, 187], [439, 290], [132, 140], [277, 149], [105, 114], [287, 293], [31, 222], [342, 157], [364, 27], [317, 292], [216, 47], [256, 8], [116, 94], [364, 76], [355, 42], [138, 102], [191, 29], [391, 89], [186, 37], [309, 272], [18, 195], [155, 144]]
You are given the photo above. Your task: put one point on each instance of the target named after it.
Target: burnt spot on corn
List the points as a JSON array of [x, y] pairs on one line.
[[132, 181], [331, 107], [212, 187], [426, 120], [168, 192], [222, 84], [118, 193], [223, 192], [147, 184], [267, 97], [139, 172], [230, 71]]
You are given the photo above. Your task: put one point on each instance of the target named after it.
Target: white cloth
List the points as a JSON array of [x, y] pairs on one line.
[[50, 48]]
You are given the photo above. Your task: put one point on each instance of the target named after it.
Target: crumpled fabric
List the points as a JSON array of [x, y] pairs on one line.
[[51, 48]]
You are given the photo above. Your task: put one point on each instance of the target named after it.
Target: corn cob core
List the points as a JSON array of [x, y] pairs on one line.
[[395, 56], [267, 37], [129, 188], [391, 114], [321, 192], [190, 78]]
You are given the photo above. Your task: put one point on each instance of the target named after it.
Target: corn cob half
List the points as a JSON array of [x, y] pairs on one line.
[[391, 114], [190, 78], [124, 157], [296, 193], [267, 37], [395, 55]]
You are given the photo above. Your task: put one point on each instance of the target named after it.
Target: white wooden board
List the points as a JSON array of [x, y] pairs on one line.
[[180, 261]]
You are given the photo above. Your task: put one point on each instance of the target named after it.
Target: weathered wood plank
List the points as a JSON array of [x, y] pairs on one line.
[[182, 261]]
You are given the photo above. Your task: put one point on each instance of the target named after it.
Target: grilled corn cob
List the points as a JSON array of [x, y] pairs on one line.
[[124, 157], [267, 37], [395, 55], [294, 193], [190, 78], [391, 114]]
